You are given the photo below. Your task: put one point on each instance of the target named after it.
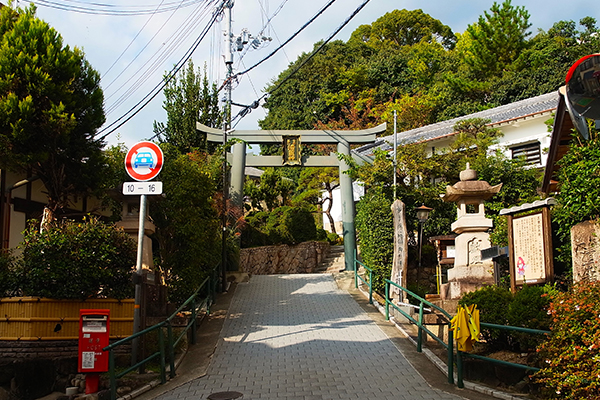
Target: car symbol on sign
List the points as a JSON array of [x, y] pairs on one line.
[[143, 160]]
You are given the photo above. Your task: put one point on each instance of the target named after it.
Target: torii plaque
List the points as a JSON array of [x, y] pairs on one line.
[[291, 140]]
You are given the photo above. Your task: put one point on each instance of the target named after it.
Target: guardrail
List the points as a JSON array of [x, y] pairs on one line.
[[461, 354], [357, 277], [166, 350], [422, 328]]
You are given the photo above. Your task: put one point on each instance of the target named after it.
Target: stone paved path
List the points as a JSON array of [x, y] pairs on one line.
[[300, 337]]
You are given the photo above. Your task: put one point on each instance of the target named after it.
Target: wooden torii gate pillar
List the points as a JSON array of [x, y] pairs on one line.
[[291, 141]]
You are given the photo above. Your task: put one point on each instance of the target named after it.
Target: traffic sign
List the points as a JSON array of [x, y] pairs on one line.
[[144, 161], [137, 188]]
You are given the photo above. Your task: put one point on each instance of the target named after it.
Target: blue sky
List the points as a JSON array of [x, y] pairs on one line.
[[125, 63]]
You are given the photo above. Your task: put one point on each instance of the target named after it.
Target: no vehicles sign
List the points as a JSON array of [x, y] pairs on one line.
[[144, 161]]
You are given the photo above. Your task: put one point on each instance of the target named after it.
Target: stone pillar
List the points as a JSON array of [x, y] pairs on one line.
[[400, 263], [349, 231], [585, 251], [238, 168]]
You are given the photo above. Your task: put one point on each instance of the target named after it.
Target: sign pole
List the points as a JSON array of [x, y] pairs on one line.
[[143, 162], [138, 279]]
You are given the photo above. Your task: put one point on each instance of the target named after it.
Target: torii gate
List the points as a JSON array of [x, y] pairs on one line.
[[291, 141]]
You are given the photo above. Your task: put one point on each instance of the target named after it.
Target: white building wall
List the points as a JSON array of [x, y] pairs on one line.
[[358, 192], [515, 133]]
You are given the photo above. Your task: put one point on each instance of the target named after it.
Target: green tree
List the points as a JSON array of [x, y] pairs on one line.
[[273, 190], [498, 38], [299, 101], [189, 98], [187, 221], [579, 185], [404, 28], [313, 182], [50, 109]]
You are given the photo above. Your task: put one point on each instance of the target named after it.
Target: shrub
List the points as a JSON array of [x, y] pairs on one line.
[[529, 309], [493, 303], [333, 238], [283, 225], [375, 228], [7, 274], [298, 225], [77, 260], [571, 366]]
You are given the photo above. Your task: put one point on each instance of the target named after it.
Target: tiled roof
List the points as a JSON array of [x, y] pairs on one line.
[[518, 109]]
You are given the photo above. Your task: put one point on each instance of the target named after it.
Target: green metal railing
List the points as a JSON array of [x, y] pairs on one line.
[[357, 277], [202, 298], [422, 328], [461, 354]]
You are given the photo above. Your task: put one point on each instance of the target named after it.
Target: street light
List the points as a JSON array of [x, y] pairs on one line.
[[422, 216]]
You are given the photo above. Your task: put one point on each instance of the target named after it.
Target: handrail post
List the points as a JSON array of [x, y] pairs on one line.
[[194, 319], [420, 334], [161, 348], [387, 302], [355, 271], [112, 375], [459, 369], [370, 287], [450, 355], [171, 349]]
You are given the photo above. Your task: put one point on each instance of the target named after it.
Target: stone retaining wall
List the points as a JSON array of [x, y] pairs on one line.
[[283, 259]]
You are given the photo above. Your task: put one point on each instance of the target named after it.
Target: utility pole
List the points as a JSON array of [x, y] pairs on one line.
[[226, 126]]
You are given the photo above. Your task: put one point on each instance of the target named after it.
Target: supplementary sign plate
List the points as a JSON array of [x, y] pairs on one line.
[[137, 188]]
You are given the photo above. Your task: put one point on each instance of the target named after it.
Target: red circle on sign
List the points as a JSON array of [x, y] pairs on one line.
[[144, 161]]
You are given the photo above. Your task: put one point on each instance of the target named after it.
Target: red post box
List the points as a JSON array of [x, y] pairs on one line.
[[94, 329]]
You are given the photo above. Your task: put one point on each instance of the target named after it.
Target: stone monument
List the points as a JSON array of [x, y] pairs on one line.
[[585, 250], [400, 261], [470, 272]]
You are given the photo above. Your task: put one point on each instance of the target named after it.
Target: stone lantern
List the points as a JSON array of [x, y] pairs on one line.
[[470, 272]]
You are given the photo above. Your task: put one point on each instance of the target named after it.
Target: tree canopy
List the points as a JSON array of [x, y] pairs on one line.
[[414, 64], [189, 98], [50, 108]]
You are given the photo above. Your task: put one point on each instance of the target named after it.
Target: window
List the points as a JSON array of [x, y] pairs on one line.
[[530, 152]]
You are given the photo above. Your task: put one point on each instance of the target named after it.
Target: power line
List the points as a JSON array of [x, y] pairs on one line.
[[109, 9], [159, 87], [246, 110], [289, 39], [156, 60], [130, 43]]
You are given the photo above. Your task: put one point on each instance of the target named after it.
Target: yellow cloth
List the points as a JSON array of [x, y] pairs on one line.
[[465, 326]]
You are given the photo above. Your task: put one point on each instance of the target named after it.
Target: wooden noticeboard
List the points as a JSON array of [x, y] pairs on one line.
[[530, 248]]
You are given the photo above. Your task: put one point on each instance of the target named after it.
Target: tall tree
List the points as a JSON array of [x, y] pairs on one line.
[[50, 108], [187, 222], [189, 98], [404, 28], [498, 37]]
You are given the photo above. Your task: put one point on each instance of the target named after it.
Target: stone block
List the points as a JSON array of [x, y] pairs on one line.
[[585, 250]]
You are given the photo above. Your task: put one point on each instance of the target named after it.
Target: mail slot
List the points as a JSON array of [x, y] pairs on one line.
[[94, 329]]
